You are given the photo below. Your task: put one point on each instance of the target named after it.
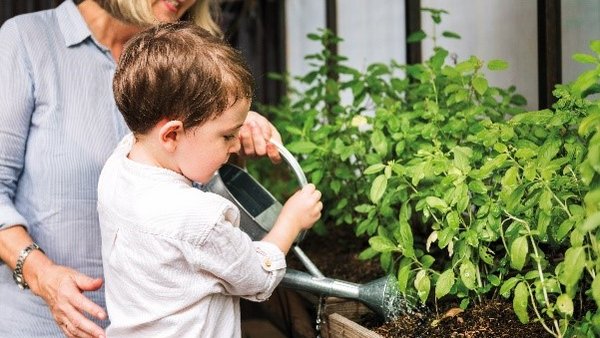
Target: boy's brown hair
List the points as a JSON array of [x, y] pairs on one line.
[[178, 71]]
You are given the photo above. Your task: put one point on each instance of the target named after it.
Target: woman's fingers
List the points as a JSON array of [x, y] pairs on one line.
[[62, 290], [254, 137], [77, 325]]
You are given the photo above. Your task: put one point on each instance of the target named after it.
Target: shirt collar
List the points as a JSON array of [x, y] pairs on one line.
[[71, 23]]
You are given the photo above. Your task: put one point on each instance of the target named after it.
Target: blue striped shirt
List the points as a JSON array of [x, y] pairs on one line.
[[58, 125]]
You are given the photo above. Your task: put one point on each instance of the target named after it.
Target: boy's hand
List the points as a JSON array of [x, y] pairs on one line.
[[254, 136], [304, 208], [300, 212]]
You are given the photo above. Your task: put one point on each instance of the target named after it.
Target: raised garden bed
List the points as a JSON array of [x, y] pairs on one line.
[[350, 319]]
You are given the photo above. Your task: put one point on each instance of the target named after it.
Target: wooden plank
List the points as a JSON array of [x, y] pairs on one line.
[[350, 309], [339, 326]]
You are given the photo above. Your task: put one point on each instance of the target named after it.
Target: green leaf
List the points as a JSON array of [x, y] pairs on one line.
[[585, 81], [590, 223], [518, 252], [427, 261], [437, 60], [382, 244], [480, 84], [574, 264], [403, 275], [363, 208], [588, 124], [301, 147], [520, 302], [478, 187], [436, 203], [378, 188], [468, 274], [379, 142], [444, 283], [375, 168], [564, 303], [538, 117], [596, 290], [450, 35], [497, 65], [406, 235], [423, 285], [416, 36], [367, 253], [507, 286], [564, 228], [313, 36], [584, 58], [595, 46]]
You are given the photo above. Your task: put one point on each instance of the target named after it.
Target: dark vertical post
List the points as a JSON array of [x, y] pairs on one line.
[[273, 49], [549, 50], [413, 24], [331, 21]]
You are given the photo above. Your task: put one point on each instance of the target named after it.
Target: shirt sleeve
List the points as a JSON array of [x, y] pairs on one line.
[[245, 268], [16, 108]]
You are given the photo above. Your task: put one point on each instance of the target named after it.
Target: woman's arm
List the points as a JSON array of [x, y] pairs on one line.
[[59, 286]]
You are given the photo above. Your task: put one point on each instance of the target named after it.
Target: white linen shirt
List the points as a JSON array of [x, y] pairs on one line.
[[175, 260]]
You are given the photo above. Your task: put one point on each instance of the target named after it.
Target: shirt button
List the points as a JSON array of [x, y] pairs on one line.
[[267, 263]]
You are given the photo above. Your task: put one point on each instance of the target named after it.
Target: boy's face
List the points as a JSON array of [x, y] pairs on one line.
[[204, 149]]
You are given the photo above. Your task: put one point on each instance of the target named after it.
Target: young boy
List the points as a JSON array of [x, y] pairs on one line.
[[174, 258]]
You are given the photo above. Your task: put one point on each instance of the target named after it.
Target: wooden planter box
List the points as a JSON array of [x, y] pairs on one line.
[[340, 319]]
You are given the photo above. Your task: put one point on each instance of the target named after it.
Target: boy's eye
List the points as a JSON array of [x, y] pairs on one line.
[[229, 137]]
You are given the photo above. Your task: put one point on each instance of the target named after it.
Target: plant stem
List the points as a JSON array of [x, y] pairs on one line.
[[537, 314], [539, 269]]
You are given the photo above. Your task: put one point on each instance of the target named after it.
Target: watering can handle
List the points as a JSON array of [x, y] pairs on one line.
[[291, 160]]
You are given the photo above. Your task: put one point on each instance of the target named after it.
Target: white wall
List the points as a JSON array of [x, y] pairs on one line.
[[373, 31], [580, 24], [492, 29], [302, 17]]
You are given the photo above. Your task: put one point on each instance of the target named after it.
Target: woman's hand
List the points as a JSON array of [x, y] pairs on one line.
[[254, 137], [61, 288]]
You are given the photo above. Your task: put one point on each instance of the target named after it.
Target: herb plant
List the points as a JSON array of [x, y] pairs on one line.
[[461, 192]]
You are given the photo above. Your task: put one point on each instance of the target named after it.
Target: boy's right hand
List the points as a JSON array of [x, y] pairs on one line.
[[303, 209]]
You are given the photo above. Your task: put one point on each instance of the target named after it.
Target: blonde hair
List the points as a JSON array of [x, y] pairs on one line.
[[203, 13]]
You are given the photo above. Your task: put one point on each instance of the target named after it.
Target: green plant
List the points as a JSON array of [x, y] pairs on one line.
[[462, 193]]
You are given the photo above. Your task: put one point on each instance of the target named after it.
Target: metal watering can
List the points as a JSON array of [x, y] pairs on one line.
[[258, 213]]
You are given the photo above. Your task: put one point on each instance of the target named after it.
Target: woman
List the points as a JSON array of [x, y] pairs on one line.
[[58, 124]]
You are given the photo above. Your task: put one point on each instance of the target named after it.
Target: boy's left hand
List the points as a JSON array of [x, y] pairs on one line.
[[255, 135]]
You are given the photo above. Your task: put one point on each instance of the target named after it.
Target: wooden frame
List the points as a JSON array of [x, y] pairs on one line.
[[549, 50]]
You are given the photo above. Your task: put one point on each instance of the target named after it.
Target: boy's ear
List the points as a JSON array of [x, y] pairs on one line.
[[170, 134]]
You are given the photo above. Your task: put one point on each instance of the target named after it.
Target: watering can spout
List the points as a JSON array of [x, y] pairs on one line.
[[381, 295]]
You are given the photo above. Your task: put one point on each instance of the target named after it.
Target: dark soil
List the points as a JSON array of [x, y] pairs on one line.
[[336, 256], [491, 318]]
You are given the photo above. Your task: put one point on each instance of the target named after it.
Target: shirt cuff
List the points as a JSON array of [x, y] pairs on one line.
[[271, 256], [10, 217]]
